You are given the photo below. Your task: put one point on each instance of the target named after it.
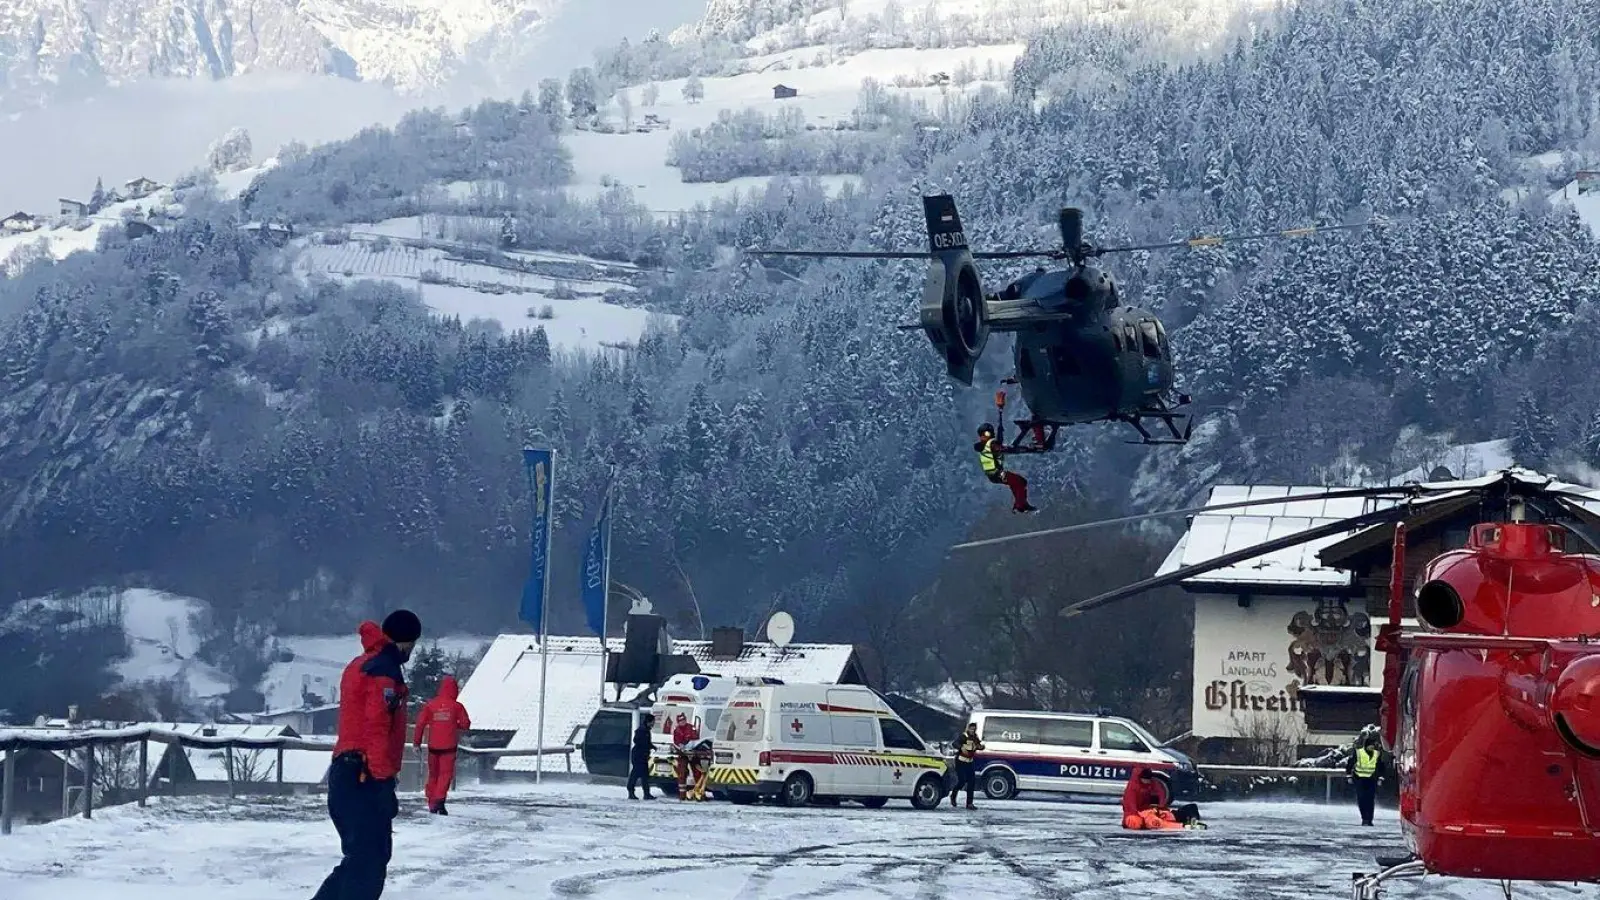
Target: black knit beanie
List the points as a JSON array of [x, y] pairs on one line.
[[402, 626]]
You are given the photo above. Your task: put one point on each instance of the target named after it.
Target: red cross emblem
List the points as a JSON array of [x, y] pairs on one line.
[[896, 774], [796, 726], [750, 722]]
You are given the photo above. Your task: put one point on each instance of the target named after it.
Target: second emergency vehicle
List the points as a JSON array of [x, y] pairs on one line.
[[697, 700], [804, 742], [1075, 753]]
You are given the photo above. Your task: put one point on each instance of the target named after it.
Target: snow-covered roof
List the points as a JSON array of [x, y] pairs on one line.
[[1215, 534], [503, 692]]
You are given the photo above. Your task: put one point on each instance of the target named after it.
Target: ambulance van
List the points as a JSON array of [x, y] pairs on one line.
[[802, 742], [699, 699]]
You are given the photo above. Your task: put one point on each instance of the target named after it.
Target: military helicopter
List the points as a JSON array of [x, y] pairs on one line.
[[1081, 355], [1491, 706]]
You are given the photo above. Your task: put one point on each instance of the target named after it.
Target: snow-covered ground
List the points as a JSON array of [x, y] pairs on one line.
[[576, 308], [162, 636], [319, 660], [580, 840], [1587, 205], [828, 95]]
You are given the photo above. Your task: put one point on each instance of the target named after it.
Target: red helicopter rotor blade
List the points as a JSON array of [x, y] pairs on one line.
[[1354, 523]]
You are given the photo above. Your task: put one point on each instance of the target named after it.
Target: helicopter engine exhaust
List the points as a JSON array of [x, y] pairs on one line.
[[954, 315]]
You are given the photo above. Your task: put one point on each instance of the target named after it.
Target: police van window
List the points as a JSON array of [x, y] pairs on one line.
[[1066, 732], [1152, 340], [853, 731], [1115, 736], [1011, 729], [899, 737]]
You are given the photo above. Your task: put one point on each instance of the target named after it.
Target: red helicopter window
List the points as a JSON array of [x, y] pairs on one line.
[[1152, 340]]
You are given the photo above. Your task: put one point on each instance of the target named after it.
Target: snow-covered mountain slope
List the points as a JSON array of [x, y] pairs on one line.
[[934, 53], [408, 43]]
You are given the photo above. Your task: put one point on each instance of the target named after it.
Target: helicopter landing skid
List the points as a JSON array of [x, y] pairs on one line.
[[1168, 418], [1370, 887], [1043, 434]]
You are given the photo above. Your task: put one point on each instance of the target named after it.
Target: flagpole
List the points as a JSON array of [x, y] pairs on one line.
[[544, 615], [605, 581]]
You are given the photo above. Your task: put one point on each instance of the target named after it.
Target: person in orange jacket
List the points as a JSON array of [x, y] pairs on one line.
[[441, 721], [1144, 805]]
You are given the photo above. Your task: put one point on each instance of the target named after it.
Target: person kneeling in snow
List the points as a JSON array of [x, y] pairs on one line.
[[1144, 805]]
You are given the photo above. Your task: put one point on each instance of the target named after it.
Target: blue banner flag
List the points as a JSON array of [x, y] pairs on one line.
[[541, 480], [597, 567]]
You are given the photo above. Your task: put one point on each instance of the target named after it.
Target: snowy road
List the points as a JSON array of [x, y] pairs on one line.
[[566, 840]]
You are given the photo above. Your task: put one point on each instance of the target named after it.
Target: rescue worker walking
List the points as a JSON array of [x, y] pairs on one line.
[[967, 747], [366, 757], [441, 721], [1365, 768], [639, 759], [991, 455]]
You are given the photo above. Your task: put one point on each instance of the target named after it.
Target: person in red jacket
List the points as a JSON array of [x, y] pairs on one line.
[[1144, 805], [441, 719], [366, 757]]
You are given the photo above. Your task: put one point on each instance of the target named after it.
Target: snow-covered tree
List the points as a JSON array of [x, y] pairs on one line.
[[231, 152], [694, 90]]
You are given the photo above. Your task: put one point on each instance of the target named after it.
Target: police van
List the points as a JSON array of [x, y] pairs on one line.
[[696, 699], [829, 742], [1074, 753]]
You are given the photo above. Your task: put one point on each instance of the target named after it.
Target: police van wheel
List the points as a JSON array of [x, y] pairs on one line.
[[797, 790], [999, 785], [930, 790]]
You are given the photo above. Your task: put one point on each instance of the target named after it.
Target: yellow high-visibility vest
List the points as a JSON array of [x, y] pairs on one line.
[[1366, 762], [989, 457]]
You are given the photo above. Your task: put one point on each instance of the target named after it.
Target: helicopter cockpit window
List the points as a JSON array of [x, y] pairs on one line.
[[1152, 340], [1116, 338], [1130, 338]]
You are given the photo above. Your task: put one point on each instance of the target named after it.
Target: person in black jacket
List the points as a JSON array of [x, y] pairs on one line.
[[639, 772]]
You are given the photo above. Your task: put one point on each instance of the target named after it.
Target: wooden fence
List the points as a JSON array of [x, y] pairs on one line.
[[15, 740]]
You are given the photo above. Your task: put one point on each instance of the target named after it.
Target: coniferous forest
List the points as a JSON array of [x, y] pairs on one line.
[[184, 411]]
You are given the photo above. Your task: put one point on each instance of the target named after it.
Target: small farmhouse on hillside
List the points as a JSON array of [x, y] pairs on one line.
[[73, 208], [784, 92], [139, 188], [18, 223]]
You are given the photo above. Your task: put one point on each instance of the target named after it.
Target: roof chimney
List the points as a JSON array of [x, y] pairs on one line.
[[727, 642]]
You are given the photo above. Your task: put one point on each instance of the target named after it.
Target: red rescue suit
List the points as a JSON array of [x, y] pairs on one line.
[[440, 722], [1144, 804]]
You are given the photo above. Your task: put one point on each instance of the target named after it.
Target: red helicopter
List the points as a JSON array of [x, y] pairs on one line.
[[1492, 709]]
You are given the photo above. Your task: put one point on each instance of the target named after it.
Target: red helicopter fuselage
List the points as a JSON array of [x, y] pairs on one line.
[[1494, 720]]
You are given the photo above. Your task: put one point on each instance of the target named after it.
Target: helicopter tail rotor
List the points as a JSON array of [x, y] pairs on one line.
[[954, 315]]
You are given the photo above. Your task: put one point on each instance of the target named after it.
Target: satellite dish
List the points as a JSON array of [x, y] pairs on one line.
[[780, 629]]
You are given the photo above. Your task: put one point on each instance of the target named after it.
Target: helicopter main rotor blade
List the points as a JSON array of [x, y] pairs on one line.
[[842, 254], [1402, 491], [1355, 523], [1214, 240]]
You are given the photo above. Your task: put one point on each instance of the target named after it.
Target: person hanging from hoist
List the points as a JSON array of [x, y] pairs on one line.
[[991, 455]]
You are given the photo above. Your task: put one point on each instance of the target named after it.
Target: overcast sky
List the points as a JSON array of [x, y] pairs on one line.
[[160, 129]]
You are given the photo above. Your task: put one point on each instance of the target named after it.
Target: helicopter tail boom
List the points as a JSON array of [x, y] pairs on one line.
[[955, 316]]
